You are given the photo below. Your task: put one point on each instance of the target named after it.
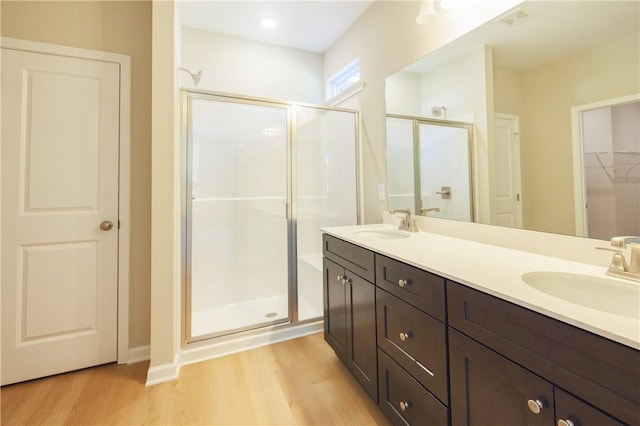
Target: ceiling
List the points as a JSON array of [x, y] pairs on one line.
[[308, 25], [554, 30]]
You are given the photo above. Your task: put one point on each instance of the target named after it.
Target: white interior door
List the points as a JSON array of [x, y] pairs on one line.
[[60, 136], [508, 206]]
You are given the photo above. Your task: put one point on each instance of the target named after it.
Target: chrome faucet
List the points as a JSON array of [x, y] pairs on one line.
[[619, 266], [425, 211], [406, 223]]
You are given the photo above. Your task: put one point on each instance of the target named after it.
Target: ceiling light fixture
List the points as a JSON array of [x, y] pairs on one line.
[[427, 9], [268, 23]]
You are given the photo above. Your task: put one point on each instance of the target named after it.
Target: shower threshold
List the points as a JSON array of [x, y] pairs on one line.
[[238, 317]]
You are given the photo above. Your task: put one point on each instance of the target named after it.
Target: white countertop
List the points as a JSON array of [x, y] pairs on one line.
[[498, 271]]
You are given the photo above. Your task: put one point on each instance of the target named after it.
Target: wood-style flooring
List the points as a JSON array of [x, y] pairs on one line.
[[298, 382]]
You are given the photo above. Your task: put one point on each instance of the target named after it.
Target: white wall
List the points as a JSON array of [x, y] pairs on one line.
[[240, 66], [403, 94]]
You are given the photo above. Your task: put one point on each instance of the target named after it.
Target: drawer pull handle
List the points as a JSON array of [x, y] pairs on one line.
[[403, 283], [405, 336], [404, 405], [535, 405], [565, 422]]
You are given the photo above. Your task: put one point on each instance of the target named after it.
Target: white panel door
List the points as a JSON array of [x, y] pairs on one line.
[[508, 206], [60, 136]]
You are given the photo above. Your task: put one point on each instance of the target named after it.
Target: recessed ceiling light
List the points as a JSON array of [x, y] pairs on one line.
[[268, 23]]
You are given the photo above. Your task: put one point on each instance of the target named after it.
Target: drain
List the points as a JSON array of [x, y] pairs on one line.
[[271, 314]]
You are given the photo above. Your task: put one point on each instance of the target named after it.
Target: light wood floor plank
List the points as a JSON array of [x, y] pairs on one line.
[[298, 382]]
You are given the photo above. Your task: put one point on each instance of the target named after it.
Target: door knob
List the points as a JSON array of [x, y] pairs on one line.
[[106, 225]]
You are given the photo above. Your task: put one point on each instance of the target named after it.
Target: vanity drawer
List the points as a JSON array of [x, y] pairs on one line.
[[358, 260], [414, 340], [597, 370], [419, 288], [403, 399]]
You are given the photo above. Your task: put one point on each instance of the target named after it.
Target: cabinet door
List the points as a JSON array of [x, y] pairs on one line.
[[571, 411], [361, 332], [335, 322], [488, 389]]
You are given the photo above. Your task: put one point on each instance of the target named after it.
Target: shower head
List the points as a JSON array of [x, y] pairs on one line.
[[437, 111], [195, 76]]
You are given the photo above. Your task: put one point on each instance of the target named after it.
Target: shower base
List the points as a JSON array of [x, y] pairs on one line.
[[250, 314]]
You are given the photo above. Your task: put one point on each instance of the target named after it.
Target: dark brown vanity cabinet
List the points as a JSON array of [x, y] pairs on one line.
[[449, 354], [412, 360], [349, 309], [504, 359]]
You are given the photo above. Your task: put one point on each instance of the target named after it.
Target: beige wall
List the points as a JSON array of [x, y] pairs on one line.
[[118, 27], [609, 71]]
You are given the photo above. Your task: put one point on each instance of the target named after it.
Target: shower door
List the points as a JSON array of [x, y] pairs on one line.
[[429, 167], [238, 229], [444, 170]]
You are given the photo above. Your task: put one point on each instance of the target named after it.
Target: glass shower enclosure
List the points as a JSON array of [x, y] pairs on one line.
[[429, 167], [261, 178]]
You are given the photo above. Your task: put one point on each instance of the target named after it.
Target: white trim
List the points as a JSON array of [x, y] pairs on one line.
[[202, 352], [139, 354], [162, 373], [124, 237], [579, 189]]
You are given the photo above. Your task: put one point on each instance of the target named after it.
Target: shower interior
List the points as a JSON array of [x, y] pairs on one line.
[[262, 178]]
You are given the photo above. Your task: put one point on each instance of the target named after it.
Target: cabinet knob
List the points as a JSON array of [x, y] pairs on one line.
[[403, 283], [339, 278], [565, 422], [346, 280], [535, 405], [404, 405], [405, 336]]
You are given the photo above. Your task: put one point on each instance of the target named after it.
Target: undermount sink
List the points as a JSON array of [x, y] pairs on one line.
[[603, 294], [384, 234]]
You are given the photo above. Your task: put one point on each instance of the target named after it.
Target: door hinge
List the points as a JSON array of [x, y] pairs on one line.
[[118, 223], [517, 197]]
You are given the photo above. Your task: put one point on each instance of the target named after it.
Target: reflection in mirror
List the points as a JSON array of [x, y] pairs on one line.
[[431, 169], [525, 84], [612, 169]]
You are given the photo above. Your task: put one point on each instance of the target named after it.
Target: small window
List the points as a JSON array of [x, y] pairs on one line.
[[347, 77]]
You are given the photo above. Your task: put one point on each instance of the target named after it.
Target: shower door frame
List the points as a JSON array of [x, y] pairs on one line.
[[291, 205], [416, 122]]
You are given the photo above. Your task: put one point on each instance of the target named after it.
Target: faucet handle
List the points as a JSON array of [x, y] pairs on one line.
[[623, 241]]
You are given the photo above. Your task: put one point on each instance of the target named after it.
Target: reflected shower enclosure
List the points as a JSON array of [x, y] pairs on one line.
[[429, 167], [261, 179]]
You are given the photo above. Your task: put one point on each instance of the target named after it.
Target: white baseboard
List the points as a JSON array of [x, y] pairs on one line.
[[167, 372], [139, 354], [220, 348], [162, 373]]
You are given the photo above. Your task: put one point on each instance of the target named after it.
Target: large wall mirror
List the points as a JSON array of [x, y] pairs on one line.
[[553, 91]]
